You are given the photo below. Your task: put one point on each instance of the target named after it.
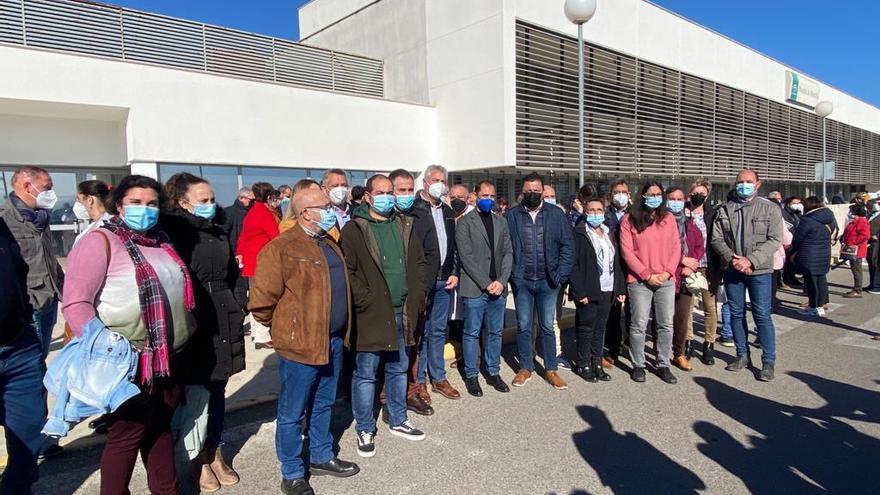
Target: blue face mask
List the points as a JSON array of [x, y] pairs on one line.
[[383, 204], [745, 189], [595, 219], [328, 220], [205, 211], [653, 202], [486, 204], [550, 201], [140, 218], [404, 201], [675, 206]]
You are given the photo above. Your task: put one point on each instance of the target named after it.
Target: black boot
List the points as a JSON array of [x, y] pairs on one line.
[[689, 349], [599, 372], [708, 357]]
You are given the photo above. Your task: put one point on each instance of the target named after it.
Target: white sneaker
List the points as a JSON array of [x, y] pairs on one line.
[[820, 311], [563, 362], [809, 312], [408, 431], [366, 444]]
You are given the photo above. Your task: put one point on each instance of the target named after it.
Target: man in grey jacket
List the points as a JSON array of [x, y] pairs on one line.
[[746, 233], [27, 211], [486, 254]]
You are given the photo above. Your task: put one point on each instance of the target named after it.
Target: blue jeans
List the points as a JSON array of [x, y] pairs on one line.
[[431, 347], [726, 330], [306, 387], [363, 383], [528, 296], [44, 322], [482, 312], [216, 413], [22, 409], [760, 289]]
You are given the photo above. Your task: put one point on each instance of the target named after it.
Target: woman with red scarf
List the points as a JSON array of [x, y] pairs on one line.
[[131, 255]]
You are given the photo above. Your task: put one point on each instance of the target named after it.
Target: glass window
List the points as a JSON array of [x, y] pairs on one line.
[[274, 176], [166, 170], [224, 180]]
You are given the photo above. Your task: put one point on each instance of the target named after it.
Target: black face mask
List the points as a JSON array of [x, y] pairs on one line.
[[697, 200], [531, 200], [458, 206]]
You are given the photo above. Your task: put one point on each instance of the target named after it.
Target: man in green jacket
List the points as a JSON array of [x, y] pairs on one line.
[[387, 273]]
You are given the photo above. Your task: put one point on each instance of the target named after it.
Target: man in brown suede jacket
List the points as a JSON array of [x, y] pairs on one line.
[[301, 292], [387, 271]]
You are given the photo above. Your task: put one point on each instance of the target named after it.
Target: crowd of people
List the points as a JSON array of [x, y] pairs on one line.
[[367, 281]]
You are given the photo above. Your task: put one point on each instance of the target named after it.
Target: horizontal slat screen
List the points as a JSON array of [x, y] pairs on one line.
[[644, 119], [107, 31]]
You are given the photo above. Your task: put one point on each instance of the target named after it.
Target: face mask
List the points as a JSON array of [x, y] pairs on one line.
[[140, 218], [205, 211], [436, 190], [531, 200], [697, 200], [550, 201], [797, 207], [404, 201], [675, 206], [745, 189], [383, 204], [621, 200], [81, 211], [328, 220], [458, 205], [653, 202], [284, 204], [486, 204], [338, 195], [46, 200], [595, 219]]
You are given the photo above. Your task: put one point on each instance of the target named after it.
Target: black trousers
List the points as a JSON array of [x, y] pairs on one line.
[[616, 328], [590, 321], [872, 265], [817, 289]]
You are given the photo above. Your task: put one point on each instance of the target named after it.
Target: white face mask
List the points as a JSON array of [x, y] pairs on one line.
[[621, 200], [797, 207], [81, 211], [437, 190], [46, 200], [338, 195]]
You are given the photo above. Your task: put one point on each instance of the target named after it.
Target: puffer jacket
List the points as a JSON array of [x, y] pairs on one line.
[[812, 241], [858, 233]]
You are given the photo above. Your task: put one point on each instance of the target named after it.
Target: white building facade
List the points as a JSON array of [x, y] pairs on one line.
[[486, 88]]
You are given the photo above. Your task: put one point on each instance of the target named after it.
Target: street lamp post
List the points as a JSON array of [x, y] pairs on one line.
[[579, 12], [824, 109]]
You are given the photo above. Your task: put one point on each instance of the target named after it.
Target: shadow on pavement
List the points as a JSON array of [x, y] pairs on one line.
[[628, 464], [796, 449]]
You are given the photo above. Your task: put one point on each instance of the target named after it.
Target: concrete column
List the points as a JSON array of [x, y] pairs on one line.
[[150, 169]]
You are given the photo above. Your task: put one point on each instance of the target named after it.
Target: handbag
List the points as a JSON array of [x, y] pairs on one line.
[[849, 253]]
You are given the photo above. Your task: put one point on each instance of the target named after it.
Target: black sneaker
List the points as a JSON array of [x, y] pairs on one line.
[[498, 384], [297, 486], [708, 355], [638, 375], [666, 375], [767, 372], [600, 373], [741, 362], [51, 450], [366, 444], [408, 431]]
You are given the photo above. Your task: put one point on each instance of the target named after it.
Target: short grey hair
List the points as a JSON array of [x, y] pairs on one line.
[[244, 190], [436, 168], [333, 171], [29, 172]]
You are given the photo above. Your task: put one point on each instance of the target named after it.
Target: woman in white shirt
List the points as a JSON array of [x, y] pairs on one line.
[[91, 196]]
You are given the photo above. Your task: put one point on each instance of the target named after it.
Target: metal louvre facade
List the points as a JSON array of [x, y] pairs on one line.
[[645, 119], [94, 29]]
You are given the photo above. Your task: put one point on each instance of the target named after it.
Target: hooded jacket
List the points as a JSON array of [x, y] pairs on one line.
[[812, 241], [374, 327]]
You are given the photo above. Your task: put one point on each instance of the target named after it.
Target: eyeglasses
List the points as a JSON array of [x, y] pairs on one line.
[[320, 207]]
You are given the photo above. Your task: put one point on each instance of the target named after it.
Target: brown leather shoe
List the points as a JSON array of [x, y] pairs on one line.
[[445, 389], [522, 376], [853, 294], [876, 337], [682, 363], [415, 404], [224, 473], [202, 472], [607, 362], [555, 380], [423, 393]]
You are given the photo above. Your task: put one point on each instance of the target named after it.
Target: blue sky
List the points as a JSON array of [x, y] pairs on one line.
[[845, 53]]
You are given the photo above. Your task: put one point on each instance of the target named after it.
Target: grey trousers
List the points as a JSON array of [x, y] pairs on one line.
[[641, 297]]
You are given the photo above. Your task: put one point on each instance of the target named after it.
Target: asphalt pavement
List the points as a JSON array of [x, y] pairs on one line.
[[815, 429]]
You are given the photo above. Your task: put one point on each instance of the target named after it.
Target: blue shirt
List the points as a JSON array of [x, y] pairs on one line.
[[338, 290]]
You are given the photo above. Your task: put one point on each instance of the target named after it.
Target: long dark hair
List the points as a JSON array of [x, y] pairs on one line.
[[177, 186], [642, 217]]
